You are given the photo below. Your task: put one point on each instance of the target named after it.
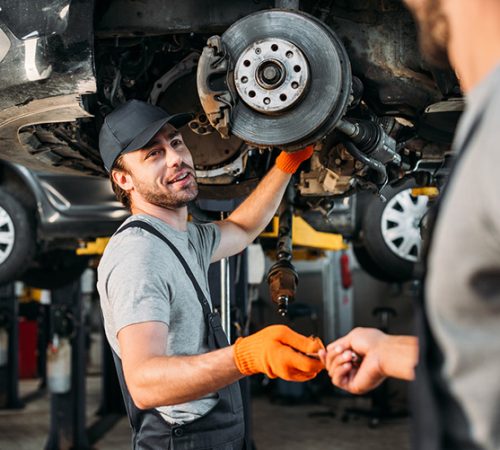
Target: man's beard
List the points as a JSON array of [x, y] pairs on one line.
[[434, 32], [169, 199]]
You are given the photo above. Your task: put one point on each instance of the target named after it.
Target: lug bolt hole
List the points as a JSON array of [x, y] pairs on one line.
[[295, 85], [283, 97], [297, 68], [267, 100], [289, 54], [251, 94], [244, 79], [246, 63], [274, 48], [258, 50]]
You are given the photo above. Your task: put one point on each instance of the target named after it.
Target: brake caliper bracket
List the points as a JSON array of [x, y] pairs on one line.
[[217, 102]]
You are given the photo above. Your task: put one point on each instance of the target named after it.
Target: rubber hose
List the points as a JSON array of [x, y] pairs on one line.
[[377, 166]]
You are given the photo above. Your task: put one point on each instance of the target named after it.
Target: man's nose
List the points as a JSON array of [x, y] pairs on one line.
[[174, 159]]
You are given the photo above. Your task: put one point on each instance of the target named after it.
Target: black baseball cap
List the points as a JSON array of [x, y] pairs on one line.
[[131, 126]]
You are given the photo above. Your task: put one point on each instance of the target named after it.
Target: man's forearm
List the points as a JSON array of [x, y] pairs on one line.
[[399, 356], [170, 380], [248, 220], [258, 209]]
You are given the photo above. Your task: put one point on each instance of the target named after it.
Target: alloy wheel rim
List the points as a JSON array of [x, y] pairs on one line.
[[7, 235], [401, 224]]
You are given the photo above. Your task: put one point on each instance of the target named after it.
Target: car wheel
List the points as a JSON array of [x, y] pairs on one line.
[[17, 237], [389, 241], [55, 269]]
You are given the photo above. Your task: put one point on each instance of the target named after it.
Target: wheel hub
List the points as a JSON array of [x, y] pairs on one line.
[[275, 78], [271, 75]]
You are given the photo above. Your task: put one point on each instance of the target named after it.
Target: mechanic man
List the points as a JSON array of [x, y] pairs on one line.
[[457, 389], [178, 374]]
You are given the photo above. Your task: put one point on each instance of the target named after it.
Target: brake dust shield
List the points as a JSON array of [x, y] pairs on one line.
[[275, 78]]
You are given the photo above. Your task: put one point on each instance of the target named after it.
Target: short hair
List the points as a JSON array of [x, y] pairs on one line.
[[122, 195]]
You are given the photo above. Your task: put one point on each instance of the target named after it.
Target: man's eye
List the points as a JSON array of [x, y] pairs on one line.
[[176, 142], [153, 153]]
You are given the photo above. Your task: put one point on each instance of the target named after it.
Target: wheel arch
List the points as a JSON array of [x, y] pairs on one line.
[[20, 183]]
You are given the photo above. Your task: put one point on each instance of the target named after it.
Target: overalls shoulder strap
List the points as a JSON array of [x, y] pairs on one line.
[[223, 426], [147, 227]]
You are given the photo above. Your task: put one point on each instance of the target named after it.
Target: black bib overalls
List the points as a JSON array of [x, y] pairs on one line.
[[222, 428]]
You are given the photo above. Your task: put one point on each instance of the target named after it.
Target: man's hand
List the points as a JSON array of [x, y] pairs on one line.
[[356, 377], [290, 162], [278, 351], [381, 356]]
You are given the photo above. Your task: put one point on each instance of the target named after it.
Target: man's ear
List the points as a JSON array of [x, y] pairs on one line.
[[122, 179]]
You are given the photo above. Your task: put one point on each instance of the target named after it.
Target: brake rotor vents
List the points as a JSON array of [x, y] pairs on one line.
[[288, 77]]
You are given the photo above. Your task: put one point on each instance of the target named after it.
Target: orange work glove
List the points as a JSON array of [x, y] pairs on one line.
[[290, 162], [278, 351]]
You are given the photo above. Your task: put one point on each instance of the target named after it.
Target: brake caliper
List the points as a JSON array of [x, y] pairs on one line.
[[211, 79]]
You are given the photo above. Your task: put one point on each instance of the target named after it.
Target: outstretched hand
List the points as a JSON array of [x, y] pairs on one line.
[[354, 361], [278, 351]]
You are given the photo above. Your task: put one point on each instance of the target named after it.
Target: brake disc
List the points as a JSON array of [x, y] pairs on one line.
[[290, 75]]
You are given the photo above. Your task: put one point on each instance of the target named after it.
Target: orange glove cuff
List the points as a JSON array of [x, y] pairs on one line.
[[277, 351], [290, 162], [245, 351]]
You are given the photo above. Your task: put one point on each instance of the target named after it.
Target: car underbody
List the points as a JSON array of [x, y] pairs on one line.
[[344, 76]]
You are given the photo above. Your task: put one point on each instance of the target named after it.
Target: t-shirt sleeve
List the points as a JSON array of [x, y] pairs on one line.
[[137, 286], [207, 236]]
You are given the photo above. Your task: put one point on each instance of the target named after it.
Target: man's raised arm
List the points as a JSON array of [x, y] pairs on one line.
[[247, 221]]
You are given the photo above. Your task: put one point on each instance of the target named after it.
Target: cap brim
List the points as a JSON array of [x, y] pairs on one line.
[[177, 120]]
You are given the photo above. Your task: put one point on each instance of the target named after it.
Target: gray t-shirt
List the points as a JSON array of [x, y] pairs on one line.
[[141, 280], [463, 284]]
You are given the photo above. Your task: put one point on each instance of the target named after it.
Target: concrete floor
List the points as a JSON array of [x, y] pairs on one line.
[[276, 426]]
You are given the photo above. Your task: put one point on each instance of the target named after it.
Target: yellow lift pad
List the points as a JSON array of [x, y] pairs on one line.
[[431, 192], [304, 235], [94, 247]]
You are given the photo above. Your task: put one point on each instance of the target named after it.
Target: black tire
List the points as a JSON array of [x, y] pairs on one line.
[[16, 255], [55, 269], [375, 253]]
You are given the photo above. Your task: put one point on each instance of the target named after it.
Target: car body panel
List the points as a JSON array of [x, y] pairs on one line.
[[47, 64], [70, 206]]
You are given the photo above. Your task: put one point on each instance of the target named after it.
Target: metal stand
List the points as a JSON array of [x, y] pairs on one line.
[[111, 409], [225, 294], [9, 373], [67, 415], [236, 296], [43, 342]]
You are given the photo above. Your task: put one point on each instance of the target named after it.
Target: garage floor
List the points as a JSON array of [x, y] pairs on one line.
[[290, 427]]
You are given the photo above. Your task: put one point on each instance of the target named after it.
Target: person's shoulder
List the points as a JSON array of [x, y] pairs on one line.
[[203, 231], [131, 243]]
